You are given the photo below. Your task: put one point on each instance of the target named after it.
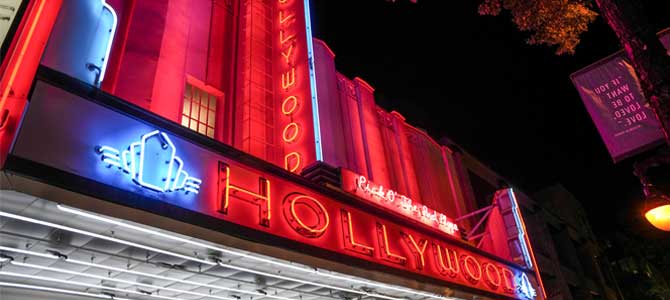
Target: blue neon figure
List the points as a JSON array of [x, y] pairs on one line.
[[152, 163]]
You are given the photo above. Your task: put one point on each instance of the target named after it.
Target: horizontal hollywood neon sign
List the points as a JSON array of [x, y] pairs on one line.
[[243, 196], [397, 202]]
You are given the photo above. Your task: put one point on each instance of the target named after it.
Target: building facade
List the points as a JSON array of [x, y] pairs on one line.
[[570, 258], [210, 150]]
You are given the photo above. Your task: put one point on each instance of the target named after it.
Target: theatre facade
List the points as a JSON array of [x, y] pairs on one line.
[[210, 150]]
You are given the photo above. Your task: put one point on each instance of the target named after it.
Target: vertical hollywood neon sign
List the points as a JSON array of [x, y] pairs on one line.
[[293, 87]]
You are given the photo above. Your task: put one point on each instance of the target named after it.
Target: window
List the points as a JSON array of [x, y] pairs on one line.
[[199, 110]]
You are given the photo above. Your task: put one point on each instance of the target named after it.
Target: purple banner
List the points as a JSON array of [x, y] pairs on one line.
[[613, 97]]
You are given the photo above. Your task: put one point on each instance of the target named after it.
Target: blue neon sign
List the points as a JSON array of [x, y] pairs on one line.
[[152, 163]]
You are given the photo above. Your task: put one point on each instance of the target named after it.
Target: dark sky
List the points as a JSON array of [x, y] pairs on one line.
[[474, 80]]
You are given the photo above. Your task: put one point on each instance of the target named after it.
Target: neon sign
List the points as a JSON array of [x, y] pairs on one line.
[[399, 203], [152, 164]]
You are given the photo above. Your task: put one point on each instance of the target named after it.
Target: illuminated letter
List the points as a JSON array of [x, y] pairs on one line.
[[492, 276], [385, 253], [447, 263], [283, 19], [416, 250], [282, 1], [292, 161], [508, 280], [287, 53], [283, 39], [290, 204], [260, 199], [288, 79], [472, 269], [289, 105], [349, 240], [290, 132]]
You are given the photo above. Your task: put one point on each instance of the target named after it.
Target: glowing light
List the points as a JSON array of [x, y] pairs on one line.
[[99, 236], [417, 250], [246, 255], [263, 196], [22, 53], [55, 290], [350, 242], [312, 82], [525, 287], [95, 286], [293, 101], [127, 271], [288, 79], [494, 284], [290, 132], [450, 269], [384, 244], [659, 217], [401, 204], [107, 278], [525, 242], [171, 180], [103, 69], [319, 210], [294, 157], [468, 262]]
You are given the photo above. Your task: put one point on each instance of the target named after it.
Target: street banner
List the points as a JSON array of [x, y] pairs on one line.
[[613, 97]]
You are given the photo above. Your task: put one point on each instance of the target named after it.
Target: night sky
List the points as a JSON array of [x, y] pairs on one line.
[[473, 79]]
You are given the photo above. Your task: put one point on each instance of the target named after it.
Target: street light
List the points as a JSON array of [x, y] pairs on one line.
[[657, 211], [657, 204]]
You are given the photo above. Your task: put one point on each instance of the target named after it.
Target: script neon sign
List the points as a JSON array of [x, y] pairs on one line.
[[152, 163], [400, 203]]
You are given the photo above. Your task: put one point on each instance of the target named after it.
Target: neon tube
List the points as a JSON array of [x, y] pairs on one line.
[[118, 280], [84, 263], [103, 69], [246, 255], [62, 291], [86, 285], [312, 83], [111, 239]]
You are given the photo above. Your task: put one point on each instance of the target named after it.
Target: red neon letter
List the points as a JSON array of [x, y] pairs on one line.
[[473, 271], [292, 161], [349, 240], [289, 105], [283, 19], [508, 279], [260, 199], [447, 263], [385, 253], [283, 39], [416, 250], [290, 204], [287, 53], [492, 276], [288, 79], [290, 132]]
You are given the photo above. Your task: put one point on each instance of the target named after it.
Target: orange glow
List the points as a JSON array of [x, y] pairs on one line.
[[288, 79], [293, 100], [384, 244], [287, 54], [311, 232], [292, 157], [659, 217], [471, 276], [508, 277], [419, 251], [349, 239], [494, 284], [283, 19], [290, 132], [225, 187], [451, 269], [283, 39], [22, 53]]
